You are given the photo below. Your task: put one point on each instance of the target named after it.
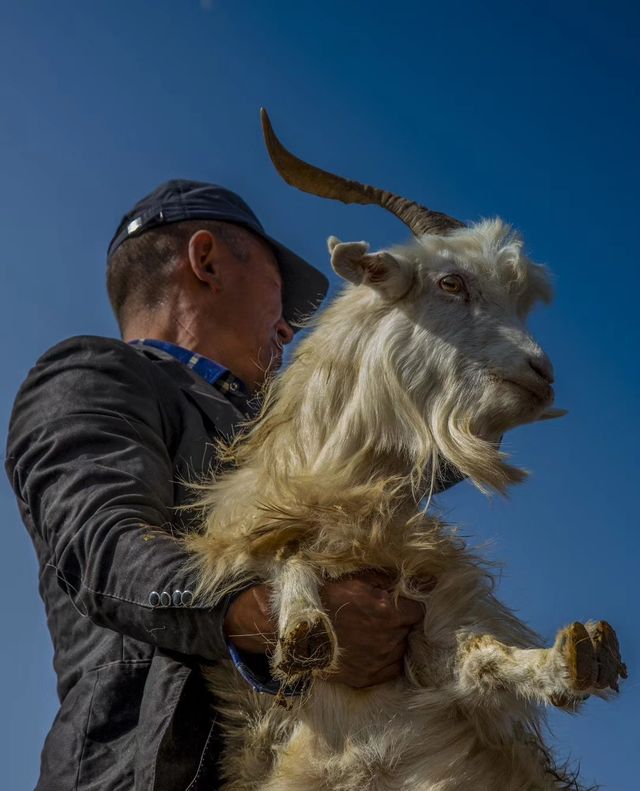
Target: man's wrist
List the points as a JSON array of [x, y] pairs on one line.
[[248, 622]]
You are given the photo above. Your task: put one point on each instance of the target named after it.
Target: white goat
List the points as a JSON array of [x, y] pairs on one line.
[[419, 366]]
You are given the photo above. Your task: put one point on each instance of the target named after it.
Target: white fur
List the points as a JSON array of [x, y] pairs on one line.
[[399, 381]]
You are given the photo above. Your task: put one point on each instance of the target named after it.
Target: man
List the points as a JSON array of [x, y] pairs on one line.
[[104, 439]]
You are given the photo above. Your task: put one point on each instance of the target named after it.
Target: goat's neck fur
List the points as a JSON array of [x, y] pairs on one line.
[[341, 412]]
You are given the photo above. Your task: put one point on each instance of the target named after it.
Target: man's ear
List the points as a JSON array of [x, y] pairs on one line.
[[203, 253], [380, 271]]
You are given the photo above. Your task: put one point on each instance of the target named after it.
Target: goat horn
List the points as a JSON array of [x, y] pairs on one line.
[[309, 178]]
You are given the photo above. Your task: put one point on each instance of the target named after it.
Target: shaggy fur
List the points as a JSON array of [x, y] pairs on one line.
[[419, 366]]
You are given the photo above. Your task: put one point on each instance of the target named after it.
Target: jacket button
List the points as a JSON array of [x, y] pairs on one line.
[[177, 598], [154, 599], [165, 599], [187, 598]]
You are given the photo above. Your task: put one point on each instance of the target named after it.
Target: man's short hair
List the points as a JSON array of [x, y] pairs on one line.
[[140, 269]]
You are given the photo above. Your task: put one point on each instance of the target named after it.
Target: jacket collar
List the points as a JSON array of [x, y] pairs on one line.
[[224, 405]]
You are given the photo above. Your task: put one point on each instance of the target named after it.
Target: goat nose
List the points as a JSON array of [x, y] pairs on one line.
[[541, 364]]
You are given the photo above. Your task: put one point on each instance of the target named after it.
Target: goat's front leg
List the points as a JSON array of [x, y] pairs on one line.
[[307, 643], [584, 660]]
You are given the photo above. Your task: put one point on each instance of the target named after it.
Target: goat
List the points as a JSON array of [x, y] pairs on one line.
[[417, 368]]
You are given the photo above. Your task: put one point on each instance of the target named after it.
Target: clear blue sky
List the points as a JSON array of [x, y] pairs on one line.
[[527, 110]]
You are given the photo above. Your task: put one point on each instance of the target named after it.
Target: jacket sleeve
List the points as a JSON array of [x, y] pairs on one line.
[[90, 459]]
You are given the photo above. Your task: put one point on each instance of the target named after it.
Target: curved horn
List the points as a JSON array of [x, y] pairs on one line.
[[309, 178]]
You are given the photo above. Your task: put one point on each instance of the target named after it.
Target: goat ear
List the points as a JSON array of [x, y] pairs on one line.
[[381, 271]]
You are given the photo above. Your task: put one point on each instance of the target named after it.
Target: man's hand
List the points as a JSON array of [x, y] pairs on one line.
[[371, 630], [249, 623]]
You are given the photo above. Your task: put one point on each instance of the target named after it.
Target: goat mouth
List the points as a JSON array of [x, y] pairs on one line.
[[542, 392]]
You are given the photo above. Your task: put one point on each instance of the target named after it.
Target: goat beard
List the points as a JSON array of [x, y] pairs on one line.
[[470, 444]]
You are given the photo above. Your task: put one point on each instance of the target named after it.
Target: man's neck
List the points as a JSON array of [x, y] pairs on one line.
[[190, 337]]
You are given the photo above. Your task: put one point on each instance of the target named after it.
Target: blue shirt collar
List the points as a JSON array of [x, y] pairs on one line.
[[211, 371]]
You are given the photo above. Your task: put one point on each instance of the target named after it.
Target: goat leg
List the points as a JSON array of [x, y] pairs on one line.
[[584, 660], [307, 644]]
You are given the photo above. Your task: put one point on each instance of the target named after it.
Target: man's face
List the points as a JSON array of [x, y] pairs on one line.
[[251, 303]]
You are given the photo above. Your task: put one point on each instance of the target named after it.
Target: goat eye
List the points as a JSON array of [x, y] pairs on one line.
[[452, 284]]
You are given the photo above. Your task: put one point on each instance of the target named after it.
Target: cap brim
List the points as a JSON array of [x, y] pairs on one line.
[[304, 286]]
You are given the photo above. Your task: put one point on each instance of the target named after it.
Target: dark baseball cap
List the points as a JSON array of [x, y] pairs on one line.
[[179, 200]]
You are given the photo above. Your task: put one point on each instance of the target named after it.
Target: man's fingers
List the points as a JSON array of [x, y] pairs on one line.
[[376, 578], [371, 658], [385, 655], [248, 622], [388, 673], [362, 680], [369, 604], [412, 611], [261, 595], [400, 612]]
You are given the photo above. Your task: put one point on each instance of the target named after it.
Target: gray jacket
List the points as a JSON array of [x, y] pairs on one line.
[[102, 439]]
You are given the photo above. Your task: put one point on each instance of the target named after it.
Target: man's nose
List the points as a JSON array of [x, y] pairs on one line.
[[285, 333]]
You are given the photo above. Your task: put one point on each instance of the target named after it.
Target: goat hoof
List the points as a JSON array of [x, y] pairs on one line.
[[579, 655], [307, 646], [610, 666], [592, 656]]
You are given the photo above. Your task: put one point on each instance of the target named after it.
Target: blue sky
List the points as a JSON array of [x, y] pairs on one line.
[[526, 110]]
